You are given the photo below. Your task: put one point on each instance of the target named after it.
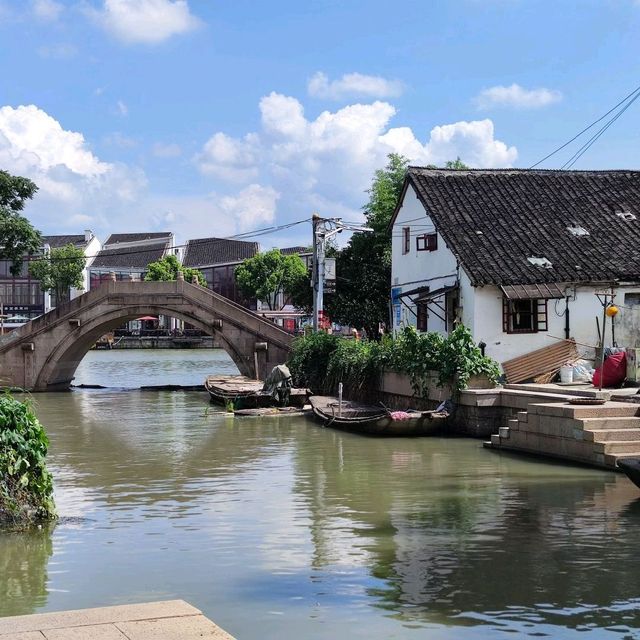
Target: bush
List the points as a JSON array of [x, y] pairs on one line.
[[26, 487], [321, 361]]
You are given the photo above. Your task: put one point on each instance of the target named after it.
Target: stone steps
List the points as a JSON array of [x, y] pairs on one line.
[[615, 424], [593, 434], [611, 435], [607, 410], [617, 446], [611, 459]]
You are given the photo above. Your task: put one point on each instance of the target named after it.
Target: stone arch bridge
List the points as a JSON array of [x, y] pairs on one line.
[[44, 353]]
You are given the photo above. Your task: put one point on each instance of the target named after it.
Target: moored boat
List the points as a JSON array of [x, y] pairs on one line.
[[361, 418], [631, 467], [246, 393]]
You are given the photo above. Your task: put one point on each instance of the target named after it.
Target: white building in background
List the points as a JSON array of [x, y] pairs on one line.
[[89, 244], [517, 255]]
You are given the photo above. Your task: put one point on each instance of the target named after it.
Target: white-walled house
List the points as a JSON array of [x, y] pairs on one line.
[[517, 255], [89, 244]]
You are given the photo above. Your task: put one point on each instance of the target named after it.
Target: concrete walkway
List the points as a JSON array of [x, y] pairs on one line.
[[169, 620]]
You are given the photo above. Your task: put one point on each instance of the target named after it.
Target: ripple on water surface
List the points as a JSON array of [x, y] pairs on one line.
[[278, 527]]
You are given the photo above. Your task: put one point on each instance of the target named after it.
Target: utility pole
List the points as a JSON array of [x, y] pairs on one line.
[[323, 229]]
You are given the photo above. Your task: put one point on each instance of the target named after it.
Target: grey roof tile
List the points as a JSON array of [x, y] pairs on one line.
[[204, 252], [129, 257], [495, 220], [55, 242]]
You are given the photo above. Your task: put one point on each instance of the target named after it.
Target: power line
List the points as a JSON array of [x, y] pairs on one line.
[[602, 117], [585, 147]]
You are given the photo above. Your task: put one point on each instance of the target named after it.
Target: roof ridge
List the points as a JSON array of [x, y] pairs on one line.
[[518, 170]]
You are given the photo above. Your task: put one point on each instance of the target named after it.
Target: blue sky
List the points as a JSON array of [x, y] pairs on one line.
[[212, 118]]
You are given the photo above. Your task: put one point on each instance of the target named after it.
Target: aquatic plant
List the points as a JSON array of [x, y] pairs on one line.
[[26, 486]]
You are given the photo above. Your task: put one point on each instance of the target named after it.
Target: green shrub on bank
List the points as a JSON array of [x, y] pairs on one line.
[[320, 361], [26, 487]]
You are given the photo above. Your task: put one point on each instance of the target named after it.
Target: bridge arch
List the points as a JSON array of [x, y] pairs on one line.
[[44, 354]]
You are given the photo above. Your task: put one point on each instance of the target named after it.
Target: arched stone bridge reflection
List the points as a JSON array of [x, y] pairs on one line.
[[44, 353]]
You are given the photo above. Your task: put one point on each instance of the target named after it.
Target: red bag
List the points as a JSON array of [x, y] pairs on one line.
[[615, 371]]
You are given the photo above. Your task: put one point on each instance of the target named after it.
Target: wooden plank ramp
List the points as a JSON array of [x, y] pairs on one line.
[[168, 620], [542, 361]]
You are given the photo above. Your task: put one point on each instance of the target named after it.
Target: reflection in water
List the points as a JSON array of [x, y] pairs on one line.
[[133, 368], [23, 568], [278, 526]]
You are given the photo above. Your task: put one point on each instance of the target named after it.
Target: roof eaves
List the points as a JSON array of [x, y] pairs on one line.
[[399, 204]]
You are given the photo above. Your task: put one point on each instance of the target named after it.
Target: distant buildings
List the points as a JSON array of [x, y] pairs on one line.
[[129, 254], [217, 259], [22, 296]]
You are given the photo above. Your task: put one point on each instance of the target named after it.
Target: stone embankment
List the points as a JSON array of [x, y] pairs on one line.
[[536, 419], [158, 620], [597, 435]]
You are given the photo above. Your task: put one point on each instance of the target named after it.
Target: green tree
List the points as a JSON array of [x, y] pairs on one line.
[[363, 267], [166, 269], [17, 236], [268, 275], [455, 164], [59, 270]]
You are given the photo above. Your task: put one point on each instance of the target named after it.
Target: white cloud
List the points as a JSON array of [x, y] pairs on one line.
[[352, 85], [252, 206], [60, 51], [325, 164], [171, 150], [118, 139], [228, 158], [32, 138], [146, 21], [72, 180], [188, 216], [122, 109], [47, 10], [517, 97], [473, 141]]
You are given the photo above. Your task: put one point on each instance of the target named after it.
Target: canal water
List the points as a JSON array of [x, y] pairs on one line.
[[278, 528]]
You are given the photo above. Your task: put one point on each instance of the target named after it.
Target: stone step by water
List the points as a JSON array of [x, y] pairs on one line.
[[594, 434], [611, 435], [618, 446], [607, 410], [614, 424], [611, 459]]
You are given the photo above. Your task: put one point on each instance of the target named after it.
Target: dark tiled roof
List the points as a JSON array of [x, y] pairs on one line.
[[204, 252], [129, 257], [136, 237], [55, 242], [494, 220], [295, 251]]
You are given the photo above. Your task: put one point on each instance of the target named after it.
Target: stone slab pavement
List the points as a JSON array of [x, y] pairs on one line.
[[168, 620]]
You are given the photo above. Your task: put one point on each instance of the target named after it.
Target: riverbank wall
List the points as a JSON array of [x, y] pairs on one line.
[[479, 411], [165, 342]]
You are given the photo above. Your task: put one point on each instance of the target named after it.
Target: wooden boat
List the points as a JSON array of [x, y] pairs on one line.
[[246, 393], [360, 418], [631, 467]]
